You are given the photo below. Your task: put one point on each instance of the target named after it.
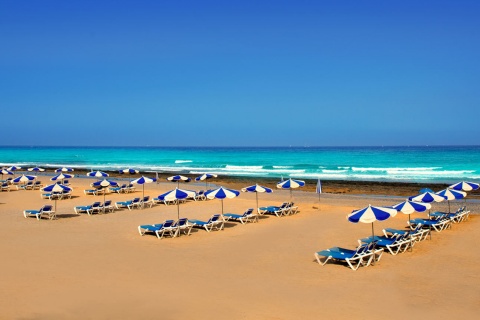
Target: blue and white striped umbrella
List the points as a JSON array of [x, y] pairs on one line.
[[206, 176], [257, 188], [178, 178], [464, 186], [451, 194], [290, 184], [14, 168], [409, 207], [427, 197], [175, 195], [222, 193], [24, 178], [5, 171], [128, 171], [36, 169], [371, 214], [143, 180], [64, 169], [61, 176], [56, 187], [97, 174]]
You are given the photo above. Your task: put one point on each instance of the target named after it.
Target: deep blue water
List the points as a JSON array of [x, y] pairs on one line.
[[415, 164]]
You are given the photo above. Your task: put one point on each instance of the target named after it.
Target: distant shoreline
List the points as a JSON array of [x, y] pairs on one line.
[[328, 186]]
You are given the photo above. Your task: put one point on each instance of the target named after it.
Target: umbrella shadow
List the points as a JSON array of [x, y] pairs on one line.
[[66, 215]]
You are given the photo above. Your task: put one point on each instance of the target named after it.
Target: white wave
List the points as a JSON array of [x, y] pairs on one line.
[[361, 169], [183, 161], [414, 173], [333, 171], [345, 168], [241, 168], [282, 167]]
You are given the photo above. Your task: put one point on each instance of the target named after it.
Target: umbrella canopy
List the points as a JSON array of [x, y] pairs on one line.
[[128, 171], [290, 184], [409, 207], [97, 174], [178, 178], [222, 193], [24, 178], [427, 197], [64, 169], [14, 168], [143, 180], [206, 176], [61, 176], [36, 169], [257, 188], [177, 194], [450, 194], [5, 171], [104, 184], [371, 214], [464, 186]]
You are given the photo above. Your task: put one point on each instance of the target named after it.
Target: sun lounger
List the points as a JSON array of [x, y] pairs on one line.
[[66, 182], [28, 186], [437, 224], [242, 218], [214, 223], [121, 189], [5, 187], [417, 234], [107, 206], [147, 202], [200, 196], [394, 245], [166, 226], [282, 210], [130, 188], [37, 185], [130, 204], [182, 226], [361, 256], [94, 192], [94, 207], [46, 209]]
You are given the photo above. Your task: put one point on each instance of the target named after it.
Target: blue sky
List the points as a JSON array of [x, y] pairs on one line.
[[240, 73]]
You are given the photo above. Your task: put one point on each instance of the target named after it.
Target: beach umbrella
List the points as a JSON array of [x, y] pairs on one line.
[[464, 186], [56, 187], [290, 184], [451, 194], [64, 169], [97, 174], [205, 177], [409, 207], [178, 178], [14, 168], [24, 178], [222, 193], [371, 214], [426, 190], [5, 171], [36, 169], [427, 197], [143, 180], [128, 171], [176, 195], [104, 184], [61, 176], [257, 188]]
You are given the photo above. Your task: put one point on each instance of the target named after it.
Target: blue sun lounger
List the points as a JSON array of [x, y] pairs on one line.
[[243, 218], [214, 223], [94, 207], [361, 256], [395, 245], [128, 204], [161, 228], [46, 209]]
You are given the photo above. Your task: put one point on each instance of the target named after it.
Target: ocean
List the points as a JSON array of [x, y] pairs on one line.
[[401, 164]]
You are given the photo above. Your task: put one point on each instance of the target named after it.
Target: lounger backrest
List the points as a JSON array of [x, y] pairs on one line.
[[214, 218], [107, 203], [136, 200], [168, 223], [96, 204], [146, 198], [181, 222], [248, 212], [46, 208]]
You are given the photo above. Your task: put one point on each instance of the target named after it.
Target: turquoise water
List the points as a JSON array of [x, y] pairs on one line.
[[412, 164]]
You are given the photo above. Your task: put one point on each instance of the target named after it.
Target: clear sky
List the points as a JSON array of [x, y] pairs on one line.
[[240, 73]]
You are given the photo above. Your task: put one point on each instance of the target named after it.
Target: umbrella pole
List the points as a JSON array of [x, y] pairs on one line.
[[178, 218], [222, 211], [448, 206], [256, 196], [143, 194], [104, 191], [373, 247], [290, 194], [319, 201]]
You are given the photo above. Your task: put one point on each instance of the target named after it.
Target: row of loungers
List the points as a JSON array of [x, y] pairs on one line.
[[57, 195], [285, 209], [394, 240], [96, 207]]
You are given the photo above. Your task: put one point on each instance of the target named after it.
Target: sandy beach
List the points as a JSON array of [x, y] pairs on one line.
[[99, 267]]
